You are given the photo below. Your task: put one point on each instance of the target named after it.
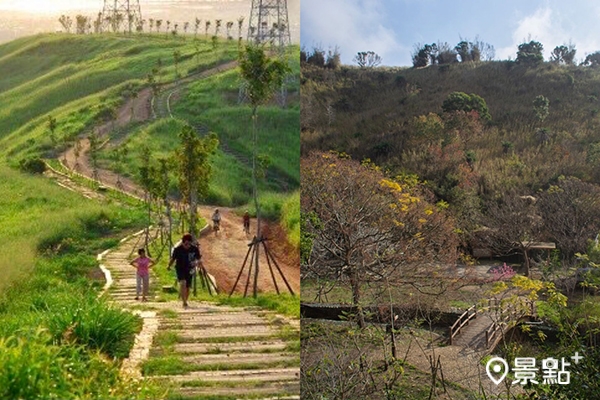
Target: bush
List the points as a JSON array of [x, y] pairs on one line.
[[94, 324], [31, 370], [530, 53], [34, 368], [459, 101], [317, 57], [334, 60], [34, 165]]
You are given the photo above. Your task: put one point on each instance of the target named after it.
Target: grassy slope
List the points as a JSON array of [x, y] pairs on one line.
[[212, 102], [74, 78], [48, 235], [373, 112]]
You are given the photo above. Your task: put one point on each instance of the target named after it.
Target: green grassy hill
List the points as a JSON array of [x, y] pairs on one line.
[[212, 104], [80, 79], [57, 339]]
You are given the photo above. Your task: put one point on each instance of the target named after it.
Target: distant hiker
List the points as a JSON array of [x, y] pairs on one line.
[[246, 223], [216, 219], [142, 276], [186, 257]]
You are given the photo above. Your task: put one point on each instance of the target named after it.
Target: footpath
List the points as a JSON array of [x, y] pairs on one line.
[[206, 351]]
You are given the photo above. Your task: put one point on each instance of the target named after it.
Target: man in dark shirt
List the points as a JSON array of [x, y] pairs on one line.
[[186, 257]]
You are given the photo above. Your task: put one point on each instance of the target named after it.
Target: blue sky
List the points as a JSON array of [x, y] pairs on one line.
[[391, 28]]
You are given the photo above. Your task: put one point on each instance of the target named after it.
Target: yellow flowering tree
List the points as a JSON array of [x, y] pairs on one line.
[[366, 227]]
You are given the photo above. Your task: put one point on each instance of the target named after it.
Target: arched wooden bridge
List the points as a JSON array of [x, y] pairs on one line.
[[482, 328]]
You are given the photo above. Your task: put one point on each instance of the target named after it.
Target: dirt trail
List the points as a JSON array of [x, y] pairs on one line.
[[223, 253]]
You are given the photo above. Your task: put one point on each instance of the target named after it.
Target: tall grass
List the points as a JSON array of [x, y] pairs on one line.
[[34, 368], [290, 218], [94, 324], [57, 339], [35, 214]]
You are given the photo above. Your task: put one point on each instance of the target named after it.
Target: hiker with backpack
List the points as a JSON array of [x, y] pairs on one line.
[[186, 258], [216, 219], [246, 219]]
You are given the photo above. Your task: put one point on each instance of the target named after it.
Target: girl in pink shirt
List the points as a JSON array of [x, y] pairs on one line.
[[143, 265]]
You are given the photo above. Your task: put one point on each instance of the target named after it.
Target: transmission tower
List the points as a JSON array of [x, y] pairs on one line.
[[121, 14], [269, 23]]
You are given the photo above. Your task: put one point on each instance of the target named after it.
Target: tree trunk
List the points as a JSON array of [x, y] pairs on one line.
[[255, 193], [193, 215], [526, 256], [355, 283], [254, 171], [147, 238], [170, 219]]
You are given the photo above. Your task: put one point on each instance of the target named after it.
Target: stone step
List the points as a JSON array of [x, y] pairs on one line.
[[198, 323], [240, 358], [262, 375], [249, 347], [123, 288], [274, 390], [125, 291], [209, 333], [125, 282], [131, 295], [199, 309], [233, 314]]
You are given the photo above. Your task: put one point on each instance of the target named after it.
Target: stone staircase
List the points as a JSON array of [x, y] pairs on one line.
[[209, 351]]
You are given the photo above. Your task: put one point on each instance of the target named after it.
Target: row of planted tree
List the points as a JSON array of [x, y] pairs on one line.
[[119, 22], [128, 23]]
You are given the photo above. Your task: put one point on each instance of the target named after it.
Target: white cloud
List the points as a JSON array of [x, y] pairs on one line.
[[548, 27], [541, 26], [352, 25]]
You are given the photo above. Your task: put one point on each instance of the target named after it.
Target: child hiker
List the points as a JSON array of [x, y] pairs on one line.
[[246, 223], [143, 265]]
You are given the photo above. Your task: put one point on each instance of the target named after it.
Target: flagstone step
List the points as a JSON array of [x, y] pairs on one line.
[[248, 347], [262, 375]]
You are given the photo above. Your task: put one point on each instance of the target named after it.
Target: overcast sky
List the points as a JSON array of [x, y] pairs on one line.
[[391, 28]]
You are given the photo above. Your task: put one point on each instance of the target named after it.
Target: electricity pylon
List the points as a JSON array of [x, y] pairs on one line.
[[121, 13], [269, 23]]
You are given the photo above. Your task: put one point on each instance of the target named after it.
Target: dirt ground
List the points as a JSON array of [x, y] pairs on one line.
[[224, 255]]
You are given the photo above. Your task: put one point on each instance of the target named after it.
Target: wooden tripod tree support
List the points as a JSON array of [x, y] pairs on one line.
[[253, 254], [205, 281]]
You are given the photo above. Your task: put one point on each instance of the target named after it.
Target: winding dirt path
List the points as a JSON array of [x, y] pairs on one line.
[[224, 253]]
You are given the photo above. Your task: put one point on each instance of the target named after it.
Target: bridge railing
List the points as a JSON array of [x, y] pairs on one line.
[[463, 320], [505, 316]]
